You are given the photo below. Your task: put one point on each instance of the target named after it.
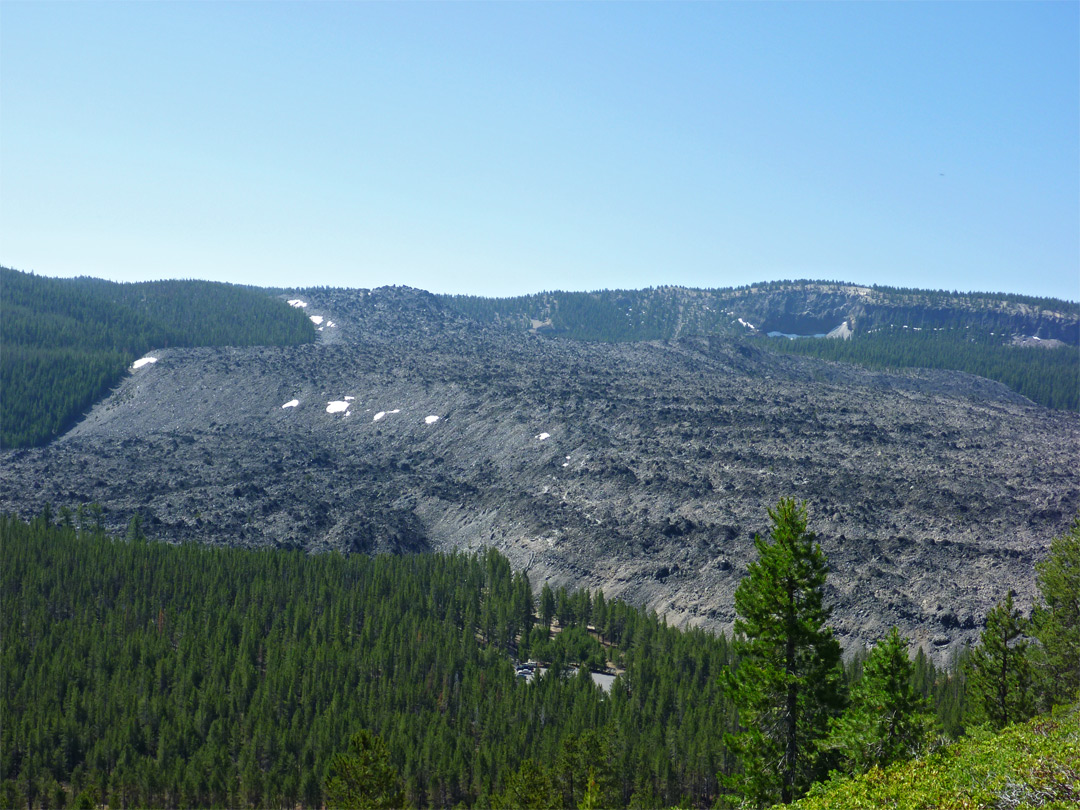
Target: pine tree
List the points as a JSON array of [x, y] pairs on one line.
[[547, 605], [135, 531], [787, 684], [1057, 621], [591, 800], [999, 671], [363, 777], [888, 717], [528, 789]]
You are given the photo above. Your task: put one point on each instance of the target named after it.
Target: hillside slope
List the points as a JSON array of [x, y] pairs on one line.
[[643, 468]]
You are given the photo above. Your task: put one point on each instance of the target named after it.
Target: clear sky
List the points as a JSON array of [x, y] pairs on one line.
[[505, 148]]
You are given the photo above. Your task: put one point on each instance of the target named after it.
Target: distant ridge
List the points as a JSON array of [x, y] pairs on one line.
[[66, 342], [886, 327], [800, 307]]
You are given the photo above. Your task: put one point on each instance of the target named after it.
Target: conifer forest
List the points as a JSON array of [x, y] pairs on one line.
[[143, 674]]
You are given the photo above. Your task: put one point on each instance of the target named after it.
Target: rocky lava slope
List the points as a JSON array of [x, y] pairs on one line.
[[641, 468]]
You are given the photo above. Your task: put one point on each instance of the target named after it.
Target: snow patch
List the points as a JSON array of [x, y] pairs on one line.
[[349, 399], [430, 420], [316, 319], [296, 302], [337, 406], [542, 436], [331, 324], [747, 324], [378, 416], [292, 403], [143, 362]]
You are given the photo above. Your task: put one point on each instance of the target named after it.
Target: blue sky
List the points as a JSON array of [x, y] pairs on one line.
[[506, 148]]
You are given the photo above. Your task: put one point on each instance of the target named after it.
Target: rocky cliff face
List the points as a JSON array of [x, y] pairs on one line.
[[816, 307], [641, 468]]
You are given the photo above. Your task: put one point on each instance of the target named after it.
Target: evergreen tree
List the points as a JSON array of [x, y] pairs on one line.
[[1057, 621], [363, 777], [888, 717], [135, 531], [591, 800], [999, 676], [528, 789], [547, 605], [583, 769], [787, 684]]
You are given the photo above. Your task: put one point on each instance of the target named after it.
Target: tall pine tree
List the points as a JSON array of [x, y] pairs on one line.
[[788, 682], [999, 670], [1057, 621], [888, 717], [364, 777]]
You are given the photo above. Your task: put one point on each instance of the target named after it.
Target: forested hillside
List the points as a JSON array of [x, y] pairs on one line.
[[67, 341], [145, 674], [150, 674]]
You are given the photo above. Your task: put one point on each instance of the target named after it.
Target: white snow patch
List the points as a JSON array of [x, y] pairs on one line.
[[396, 410], [747, 324], [296, 302], [349, 399], [566, 463], [378, 416], [331, 324], [320, 328], [316, 319], [143, 362], [430, 420], [337, 406], [542, 436], [292, 403]]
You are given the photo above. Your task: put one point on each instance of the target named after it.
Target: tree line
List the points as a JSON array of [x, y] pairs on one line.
[[143, 674]]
